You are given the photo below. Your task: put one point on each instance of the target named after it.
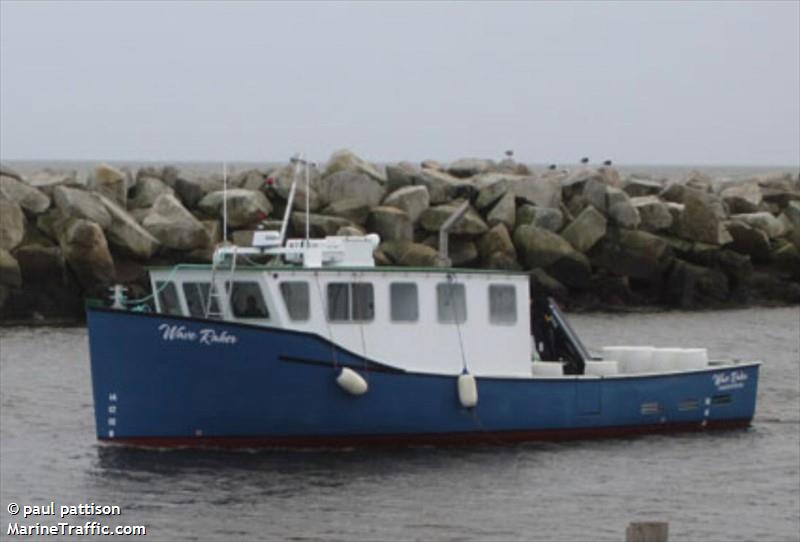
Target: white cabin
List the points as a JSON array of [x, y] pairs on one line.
[[423, 320]]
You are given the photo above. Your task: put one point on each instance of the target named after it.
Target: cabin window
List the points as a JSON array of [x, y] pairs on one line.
[[502, 304], [451, 300], [168, 300], [196, 296], [247, 301], [295, 296], [404, 302], [350, 302]]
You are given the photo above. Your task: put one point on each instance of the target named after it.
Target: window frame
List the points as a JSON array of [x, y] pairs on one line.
[[392, 315], [232, 307], [199, 285], [457, 287], [289, 312], [160, 289], [350, 301], [493, 320]]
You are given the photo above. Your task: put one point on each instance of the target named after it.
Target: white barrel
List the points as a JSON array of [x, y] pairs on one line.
[[352, 382], [630, 359], [692, 359], [667, 359], [467, 390], [547, 368], [601, 368]]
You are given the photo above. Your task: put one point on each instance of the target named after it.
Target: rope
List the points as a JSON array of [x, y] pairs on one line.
[[157, 291], [325, 317], [450, 285], [361, 331]]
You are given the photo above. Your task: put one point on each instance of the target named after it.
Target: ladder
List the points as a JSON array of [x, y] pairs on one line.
[[213, 308]]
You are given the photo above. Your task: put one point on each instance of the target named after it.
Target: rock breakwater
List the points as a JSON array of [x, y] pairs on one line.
[[591, 237]]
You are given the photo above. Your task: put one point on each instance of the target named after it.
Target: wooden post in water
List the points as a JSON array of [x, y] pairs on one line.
[[647, 531]]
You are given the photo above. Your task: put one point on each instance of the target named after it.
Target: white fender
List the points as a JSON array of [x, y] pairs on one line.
[[467, 390], [352, 382]]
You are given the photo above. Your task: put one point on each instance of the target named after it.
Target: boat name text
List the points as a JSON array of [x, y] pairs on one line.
[[202, 336], [732, 380]]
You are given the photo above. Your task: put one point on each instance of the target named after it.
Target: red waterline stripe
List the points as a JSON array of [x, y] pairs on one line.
[[438, 439]]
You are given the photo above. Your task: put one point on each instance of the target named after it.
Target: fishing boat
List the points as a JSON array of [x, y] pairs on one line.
[[306, 343]]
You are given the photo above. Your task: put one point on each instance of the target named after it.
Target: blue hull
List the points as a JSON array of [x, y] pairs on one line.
[[171, 381]]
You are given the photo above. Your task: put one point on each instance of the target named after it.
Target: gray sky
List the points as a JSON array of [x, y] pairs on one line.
[[704, 83]]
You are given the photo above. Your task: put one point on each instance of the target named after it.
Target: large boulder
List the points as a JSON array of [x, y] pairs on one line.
[[41, 266], [639, 187], [688, 285], [469, 167], [319, 225], [390, 224], [112, 183], [674, 192], [411, 199], [354, 210], [174, 226], [575, 182], [541, 217], [743, 198], [400, 175], [10, 275], [282, 179], [699, 181], [441, 186], [429, 163], [620, 209], [355, 185], [787, 257], [572, 269], [47, 179], [191, 190], [126, 234], [12, 223], [29, 198], [491, 187], [76, 203], [771, 225], [543, 285], [749, 240], [633, 253], [469, 224], [86, 252], [6, 171], [504, 212], [345, 160], [496, 240], [245, 207], [538, 247], [654, 213], [460, 251], [703, 219], [586, 230], [145, 192], [610, 176], [540, 191], [791, 219], [410, 254]]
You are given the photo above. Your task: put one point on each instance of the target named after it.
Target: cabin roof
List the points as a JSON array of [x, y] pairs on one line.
[[381, 269]]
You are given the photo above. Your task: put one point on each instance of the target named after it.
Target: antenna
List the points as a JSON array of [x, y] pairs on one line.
[[225, 202], [296, 161], [308, 218]]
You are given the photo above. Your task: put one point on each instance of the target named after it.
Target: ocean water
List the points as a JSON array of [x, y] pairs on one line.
[[741, 485]]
